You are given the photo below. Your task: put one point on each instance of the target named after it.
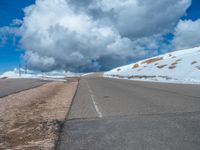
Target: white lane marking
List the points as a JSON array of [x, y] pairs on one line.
[[94, 102], [96, 107]]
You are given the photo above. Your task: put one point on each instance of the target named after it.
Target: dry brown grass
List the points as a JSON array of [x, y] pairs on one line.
[[165, 77], [161, 66], [152, 60], [175, 63], [172, 67], [141, 77], [135, 66], [198, 67], [178, 60], [194, 62]]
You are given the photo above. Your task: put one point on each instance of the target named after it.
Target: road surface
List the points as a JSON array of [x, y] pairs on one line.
[[10, 86], [113, 114]]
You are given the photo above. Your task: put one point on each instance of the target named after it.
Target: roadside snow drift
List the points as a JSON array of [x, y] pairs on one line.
[[180, 67], [53, 75]]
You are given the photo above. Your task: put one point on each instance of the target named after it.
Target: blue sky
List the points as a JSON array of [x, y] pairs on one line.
[[194, 11], [10, 53]]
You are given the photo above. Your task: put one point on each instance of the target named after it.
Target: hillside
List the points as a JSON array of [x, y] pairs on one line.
[[181, 66]]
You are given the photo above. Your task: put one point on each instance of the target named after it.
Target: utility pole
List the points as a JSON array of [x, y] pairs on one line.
[[26, 68], [19, 69]]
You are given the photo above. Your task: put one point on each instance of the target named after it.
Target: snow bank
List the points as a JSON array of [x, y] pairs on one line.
[[53, 75], [178, 67]]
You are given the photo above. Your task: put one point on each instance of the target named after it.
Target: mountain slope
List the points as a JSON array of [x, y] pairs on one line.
[[180, 66]]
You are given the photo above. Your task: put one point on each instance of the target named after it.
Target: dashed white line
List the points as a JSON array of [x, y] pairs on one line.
[[94, 102]]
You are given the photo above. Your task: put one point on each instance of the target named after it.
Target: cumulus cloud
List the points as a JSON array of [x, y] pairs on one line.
[[187, 34], [94, 35]]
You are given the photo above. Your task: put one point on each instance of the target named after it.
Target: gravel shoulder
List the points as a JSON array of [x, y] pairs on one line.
[[32, 119]]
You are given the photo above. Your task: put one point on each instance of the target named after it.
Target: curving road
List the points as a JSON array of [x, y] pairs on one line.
[[113, 114]]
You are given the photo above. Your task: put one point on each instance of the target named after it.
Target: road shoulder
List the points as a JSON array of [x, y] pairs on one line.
[[32, 119]]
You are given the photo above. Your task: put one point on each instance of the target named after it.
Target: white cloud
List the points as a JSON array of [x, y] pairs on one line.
[[187, 34], [95, 34], [16, 22], [3, 40], [5, 31], [73, 40]]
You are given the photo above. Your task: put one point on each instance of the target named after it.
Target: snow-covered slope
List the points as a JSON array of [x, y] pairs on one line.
[[180, 67]]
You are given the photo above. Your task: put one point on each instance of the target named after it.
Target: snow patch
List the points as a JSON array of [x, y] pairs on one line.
[[53, 75], [181, 66]]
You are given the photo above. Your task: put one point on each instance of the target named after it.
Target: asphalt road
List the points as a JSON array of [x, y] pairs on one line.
[[113, 114], [10, 86]]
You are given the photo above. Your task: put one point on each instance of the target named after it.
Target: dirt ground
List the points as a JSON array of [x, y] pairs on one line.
[[31, 120]]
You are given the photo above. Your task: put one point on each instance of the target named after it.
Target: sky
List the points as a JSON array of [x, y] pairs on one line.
[[93, 35], [10, 53]]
